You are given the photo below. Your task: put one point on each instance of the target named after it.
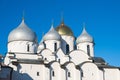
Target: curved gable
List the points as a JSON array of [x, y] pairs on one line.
[[48, 56], [78, 57]]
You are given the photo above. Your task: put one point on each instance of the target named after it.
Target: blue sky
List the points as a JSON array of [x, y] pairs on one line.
[[102, 19]]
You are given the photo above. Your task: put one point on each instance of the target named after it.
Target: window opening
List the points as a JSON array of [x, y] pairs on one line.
[[69, 75], [28, 47], [55, 47], [53, 73], [38, 74], [67, 48], [88, 50]]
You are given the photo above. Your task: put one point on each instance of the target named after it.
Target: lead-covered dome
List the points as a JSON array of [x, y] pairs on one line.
[[22, 33], [62, 29], [52, 34], [84, 37]]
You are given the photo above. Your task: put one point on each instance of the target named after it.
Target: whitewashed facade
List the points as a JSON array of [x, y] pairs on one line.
[[59, 56]]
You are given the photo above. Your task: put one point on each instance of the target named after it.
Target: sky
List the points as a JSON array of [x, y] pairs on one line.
[[101, 17]]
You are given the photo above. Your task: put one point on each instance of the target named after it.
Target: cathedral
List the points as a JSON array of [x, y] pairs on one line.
[[58, 56]]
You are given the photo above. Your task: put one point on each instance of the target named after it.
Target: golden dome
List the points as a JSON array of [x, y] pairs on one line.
[[62, 29]]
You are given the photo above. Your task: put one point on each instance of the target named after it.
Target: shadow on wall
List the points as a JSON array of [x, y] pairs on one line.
[[26, 77], [5, 78], [20, 76], [5, 72]]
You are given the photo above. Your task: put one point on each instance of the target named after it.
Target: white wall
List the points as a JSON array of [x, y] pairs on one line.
[[90, 71], [78, 57], [83, 46], [71, 72], [48, 55], [50, 44], [30, 72], [61, 57], [21, 47], [55, 66], [111, 74], [101, 74], [67, 40]]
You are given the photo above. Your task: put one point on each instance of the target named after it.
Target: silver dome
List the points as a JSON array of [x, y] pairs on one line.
[[22, 33], [52, 35], [84, 37]]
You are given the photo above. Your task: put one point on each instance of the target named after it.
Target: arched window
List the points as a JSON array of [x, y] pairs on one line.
[[81, 73], [38, 74], [55, 46], [59, 60], [44, 44], [67, 49], [69, 75], [88, 50], [28, 47], [53, 73]]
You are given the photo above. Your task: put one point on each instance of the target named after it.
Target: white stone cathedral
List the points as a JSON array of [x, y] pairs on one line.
[[59, 56]]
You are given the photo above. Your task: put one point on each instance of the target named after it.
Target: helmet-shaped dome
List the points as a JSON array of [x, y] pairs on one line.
[[84, 37], [22, 33], [62, 29], [52, 34]]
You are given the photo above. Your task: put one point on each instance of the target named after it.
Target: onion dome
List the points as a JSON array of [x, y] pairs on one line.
[[52, 34], [22, 33], [62, 29], [84, 37]]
